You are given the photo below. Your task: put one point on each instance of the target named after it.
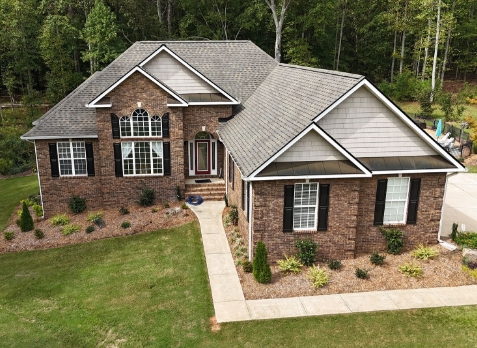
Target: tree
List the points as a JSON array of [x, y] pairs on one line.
[[278, 20], [436, 48], [261, 268], [26, 221]]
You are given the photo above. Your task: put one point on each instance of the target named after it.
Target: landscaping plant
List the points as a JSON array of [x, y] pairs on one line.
[[60, 220], [318, 276], [69, 229], [394, 239], [92, 217], [146, 197], [26, 221], [377, 259], [467, 239], [38, 210], [39, 234], [247, 266], [126, 224], [424, 253], [90, 229], [9, 235], [454, 232], [290, 265], [123, 210], [411, 270], [361, 273], [77, 204], [306, 251], [261, 269], [233, 214], [334, 264]]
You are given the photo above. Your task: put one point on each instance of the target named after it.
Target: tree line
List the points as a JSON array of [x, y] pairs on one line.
[[48, 47]]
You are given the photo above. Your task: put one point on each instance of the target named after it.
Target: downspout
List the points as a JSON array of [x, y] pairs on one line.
[[226, 170], [38, 174], [443, 243], [250, 249]]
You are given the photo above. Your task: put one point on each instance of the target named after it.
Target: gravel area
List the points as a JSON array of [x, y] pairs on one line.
[[142, 219]]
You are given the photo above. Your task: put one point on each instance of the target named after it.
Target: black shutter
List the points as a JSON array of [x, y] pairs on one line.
[[166, 152], [413, 201], [288, 208], [89, 158], [323, 206], [165, 125], [115, 126], [118, 165], [380, 202], [55, 170]]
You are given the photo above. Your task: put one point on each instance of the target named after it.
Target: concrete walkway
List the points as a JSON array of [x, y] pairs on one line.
[[230, 304]]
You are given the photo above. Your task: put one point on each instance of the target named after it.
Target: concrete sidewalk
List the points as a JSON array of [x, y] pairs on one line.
[[230, 304]]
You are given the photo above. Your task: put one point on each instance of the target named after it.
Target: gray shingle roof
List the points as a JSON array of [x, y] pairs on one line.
[[238, 67], [281, 108]]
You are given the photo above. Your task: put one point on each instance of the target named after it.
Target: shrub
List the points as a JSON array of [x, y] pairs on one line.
[[28, 202], [9, 235], [39, 234], [77, 204], [467, 239], [470, 264], [166, 205], [184, 206], [377, 259], [424, 253], [470, 271], [69, 229], [334, 264], [306, 251], [26, 221], [178, 193], [60, 220], [123, 210], [290, 265], [233, 214], [126, 224], [95, 216], [247, 266], [38, 210], [90, 229], [146, 197], [261, 269], [411, 270], [361, 273], [318, 277], [453, 234], [394, 239]]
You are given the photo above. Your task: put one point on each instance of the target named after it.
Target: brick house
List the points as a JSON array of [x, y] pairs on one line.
[[302, 152]]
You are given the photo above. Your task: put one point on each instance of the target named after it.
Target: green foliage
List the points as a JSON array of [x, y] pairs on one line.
[[403, 88], [184, 206], [146, 197], [377, 259], [38, 210], [318, 276], [306, 251], [448, 104], [335, 264], [467, 239], [261, 269], [424, 98], [233, 214], [39, 234], [69, 229], [361, 273], [290, 265], [454, 232], [77, 204], [424, 253], [394, 239], [9, 235], [16, 155], [26, 221], [60, 220], [123, 211], [411, 270], [90, 229], [167, 205], [126, 224], [247, 266], [95, 216], [470, 271]]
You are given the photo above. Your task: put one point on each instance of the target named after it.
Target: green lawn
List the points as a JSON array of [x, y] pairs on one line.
[[412, 108], [12, 191], [152, 290]]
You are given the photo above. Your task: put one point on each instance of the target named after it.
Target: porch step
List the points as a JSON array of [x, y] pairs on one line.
[[208, 191]]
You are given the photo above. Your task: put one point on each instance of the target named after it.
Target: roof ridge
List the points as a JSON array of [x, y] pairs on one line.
[[323, 71]]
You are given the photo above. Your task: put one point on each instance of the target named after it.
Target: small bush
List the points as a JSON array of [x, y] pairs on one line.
[[318, 277], [377, 259], [261, 269], [334, 264], [123, 210], [39, 234], [60, 220], [470, 271], [361, 273], [154, 210], [394, 239], [29, 202], [9, 235], [38, 210], [454, 232], [247, 266], [146, 197], [166, 205], [306, 251], [184, 206], [290, 265], [411, 270], [233, 214], [467, 239], [90, 229], [69, 229], [77, 204], [126, 224], [92, 217], [26, 221], [424, 253]]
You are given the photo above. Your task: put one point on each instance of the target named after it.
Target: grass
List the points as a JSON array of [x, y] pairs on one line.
[[152, 290], [12, 191], [412, 108]]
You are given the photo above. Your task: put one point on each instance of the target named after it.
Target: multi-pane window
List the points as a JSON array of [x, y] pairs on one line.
[[72, 158], [140, 124], [142, 157], [396, 200], [305, 206]]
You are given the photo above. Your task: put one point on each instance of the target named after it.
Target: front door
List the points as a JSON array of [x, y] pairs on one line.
[[202, 157]]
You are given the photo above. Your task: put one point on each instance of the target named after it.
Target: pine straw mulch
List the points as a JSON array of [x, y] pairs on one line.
[[142, 219]]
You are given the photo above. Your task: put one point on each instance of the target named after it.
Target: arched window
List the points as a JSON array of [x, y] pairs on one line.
[[202, 135], [140, 124]]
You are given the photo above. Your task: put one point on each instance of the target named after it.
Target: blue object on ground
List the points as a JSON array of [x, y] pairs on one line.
[[194, 200], [439, 128]]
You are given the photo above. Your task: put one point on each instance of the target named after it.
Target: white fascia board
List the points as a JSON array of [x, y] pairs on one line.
[[398, 112], [420, 171], [48, 137], [325, 136], [92, 104], [303, 177], [99, 105], [180, 60]]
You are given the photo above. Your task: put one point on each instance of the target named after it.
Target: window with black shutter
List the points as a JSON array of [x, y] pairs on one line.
[[323, 206], [118, 166], [288, 208], [380, 202], [115, 126], [165, 125], [89, 159], [413, 201], [55, 170], [167, 158]]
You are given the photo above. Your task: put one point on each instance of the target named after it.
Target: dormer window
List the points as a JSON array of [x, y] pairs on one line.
[[140, 124]]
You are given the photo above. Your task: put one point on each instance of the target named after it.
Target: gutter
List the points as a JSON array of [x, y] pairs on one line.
[[445, 244], [38, 175]]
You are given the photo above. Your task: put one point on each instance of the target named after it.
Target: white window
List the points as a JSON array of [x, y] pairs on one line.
[[142, 158], [305, 206], [140, 124], [72, 158], [396, 200]]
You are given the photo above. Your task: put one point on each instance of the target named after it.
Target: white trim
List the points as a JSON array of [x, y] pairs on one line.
[[406, 202], [146, 74], [233, 101], [398, 112], [415, 171], [59, 137], [304, 177], [315, 218], [39, 181], [71, 158], [330, 140], [226, 170], [151, 151], [212, 103], [100, 105]]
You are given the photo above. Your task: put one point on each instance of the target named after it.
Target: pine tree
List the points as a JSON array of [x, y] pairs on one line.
[[261, 268], [26, 221]]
